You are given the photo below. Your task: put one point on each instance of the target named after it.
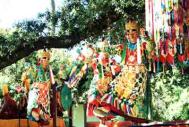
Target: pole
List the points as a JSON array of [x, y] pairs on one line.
[[54, 84], [55, 105], [85, 114], [70, 116]]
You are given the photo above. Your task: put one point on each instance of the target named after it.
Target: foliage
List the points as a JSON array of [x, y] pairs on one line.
[[170, 93], [77, 15], [25, 33], [8, 42]]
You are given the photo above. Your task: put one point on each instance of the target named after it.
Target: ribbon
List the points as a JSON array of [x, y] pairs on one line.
[[51, 75], [139, 60], [123, 55]]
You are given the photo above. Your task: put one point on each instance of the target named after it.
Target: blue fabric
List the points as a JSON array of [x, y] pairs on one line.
[[132, 46]]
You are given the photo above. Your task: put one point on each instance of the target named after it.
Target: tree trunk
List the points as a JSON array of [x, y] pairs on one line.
[[53, 17]]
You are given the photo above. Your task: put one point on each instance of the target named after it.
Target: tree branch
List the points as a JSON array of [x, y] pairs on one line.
[[94, 28]]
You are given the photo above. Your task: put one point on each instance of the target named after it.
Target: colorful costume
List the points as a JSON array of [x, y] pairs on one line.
[[100, 83], [38, 77], [38, 98], [124, 94]]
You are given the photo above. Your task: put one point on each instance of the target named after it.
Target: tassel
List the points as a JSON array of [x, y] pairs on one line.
[[149, 66], [125, 107], [115, 103], [128, 109], [139, 60], [91, 98], [123, 55], [105, 97], [112, 99], [118, 104], [180, 46], [158, 66], [109, 99], [122, 106], [154, 67]]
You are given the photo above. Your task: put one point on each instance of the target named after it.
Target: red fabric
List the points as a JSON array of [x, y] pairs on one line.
[[108, 74], [42, 99], [105, 61], [121, 124], [91, 105], [181, 15], [163, 46], [90, 109], [181, 58], [162, 59], [111, 124], [112, 108], [129, 54], [170, 59], [173, 33], [96, 54], [156, 58], [187, 53], [94, 67], [9, 106], [120, 47], [37, 110], [115, 103], [117, 68], [144, 45], [125, 108]]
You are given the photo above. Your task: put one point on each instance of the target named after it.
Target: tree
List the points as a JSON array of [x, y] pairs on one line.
[[53, 17], [77, 21]]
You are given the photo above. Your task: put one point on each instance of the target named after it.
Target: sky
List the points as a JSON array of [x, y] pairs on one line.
[[12, 11]]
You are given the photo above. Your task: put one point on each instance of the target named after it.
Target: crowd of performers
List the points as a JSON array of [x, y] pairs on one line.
[[120, 71], [119, 81], [119, 74]]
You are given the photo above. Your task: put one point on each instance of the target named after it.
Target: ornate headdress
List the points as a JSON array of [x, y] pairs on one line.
[[46, 54], [131, 24]]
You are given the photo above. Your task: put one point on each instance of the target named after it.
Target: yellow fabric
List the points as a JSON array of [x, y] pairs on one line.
[[102, 84], [26, 79], [127, 80], [134, 111], [27, 85], [5, 89]]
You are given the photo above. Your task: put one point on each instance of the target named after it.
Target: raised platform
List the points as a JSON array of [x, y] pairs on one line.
[[181, 123], [28, 123]]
